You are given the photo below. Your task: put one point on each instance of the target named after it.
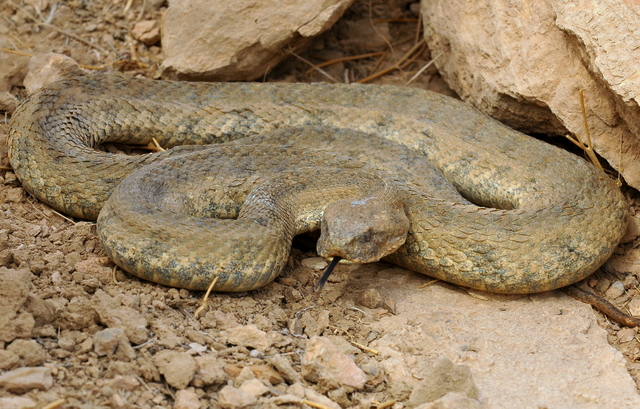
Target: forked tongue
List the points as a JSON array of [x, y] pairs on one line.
[[326, 274]]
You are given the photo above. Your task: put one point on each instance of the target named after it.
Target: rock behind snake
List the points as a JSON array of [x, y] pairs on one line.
[[550, 218]]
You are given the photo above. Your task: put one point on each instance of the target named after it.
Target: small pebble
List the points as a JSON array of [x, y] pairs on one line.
[[323, 362], [316, 263], [17, 402], [254, 388], [247, 336], [634, 306], [186, 399], [603, 285], [23, 380], [626, 334], [370, 298], [615, 291], [106, 342], [232, 398]]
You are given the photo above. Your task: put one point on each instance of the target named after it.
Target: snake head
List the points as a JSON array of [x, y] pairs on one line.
[[362, 231]]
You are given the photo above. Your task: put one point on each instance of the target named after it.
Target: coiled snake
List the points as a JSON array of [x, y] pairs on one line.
[[529, 217]]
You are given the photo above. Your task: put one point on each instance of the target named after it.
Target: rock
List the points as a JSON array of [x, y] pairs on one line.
[[629, 262], [8, 102], [114, 315], [146, 31], [314, 322], [47, 68], [8, 360], [315, 397], [220, 320], [17, 402], [634, 306], [233, 398], [452, 400], [324, 363], [14, 292], [186, 399], [370, 298], [284, 368], [286, 399], [525, 65], [78, 314], [316, 263], [444, 377], [178, 368], [106, 342], [254, 388], [615, 291], [165, 335], [633, 230], [125, 383], [247, 336], [29, 351], [43, 311], [602, 285], [210, 370], [13, 68], [626, 334], [512, 344], [240, 40], [23, 380]]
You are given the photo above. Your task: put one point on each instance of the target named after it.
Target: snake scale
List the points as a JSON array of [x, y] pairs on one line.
[[481, 205]]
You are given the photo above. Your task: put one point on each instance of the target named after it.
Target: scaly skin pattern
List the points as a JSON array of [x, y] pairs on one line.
[[550, 219]]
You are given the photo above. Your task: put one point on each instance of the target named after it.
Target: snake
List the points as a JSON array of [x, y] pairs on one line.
[[465, 199]]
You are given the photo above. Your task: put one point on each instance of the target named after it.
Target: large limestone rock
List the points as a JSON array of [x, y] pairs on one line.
[[525, 62], [239, 40]]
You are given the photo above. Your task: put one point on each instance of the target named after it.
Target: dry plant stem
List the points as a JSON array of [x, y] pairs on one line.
[[54, 404], [602, 305], [205, 298], [386, 404], [588, 147], [343, 59], [315, 68], [56, 29], [397, 65], [373, 26], [430, 283], [113, 275], [421, 70], [418, 27], [6, 50], [314, 404]]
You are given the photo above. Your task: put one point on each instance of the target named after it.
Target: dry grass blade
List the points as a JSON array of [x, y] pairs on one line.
[[205, 298], [588, 147], [343, 59], [398, 65], [315, 68], [421, 70]]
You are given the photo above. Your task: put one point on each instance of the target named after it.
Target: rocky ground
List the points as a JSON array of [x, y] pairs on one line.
[[76, 332]]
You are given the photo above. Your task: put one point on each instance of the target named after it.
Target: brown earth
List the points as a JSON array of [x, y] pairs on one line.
[[58, 288]]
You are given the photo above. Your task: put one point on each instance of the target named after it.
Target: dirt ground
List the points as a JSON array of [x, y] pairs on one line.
[[76, 291]]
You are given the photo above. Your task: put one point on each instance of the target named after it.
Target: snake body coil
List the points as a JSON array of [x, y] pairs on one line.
[[542, 219]]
